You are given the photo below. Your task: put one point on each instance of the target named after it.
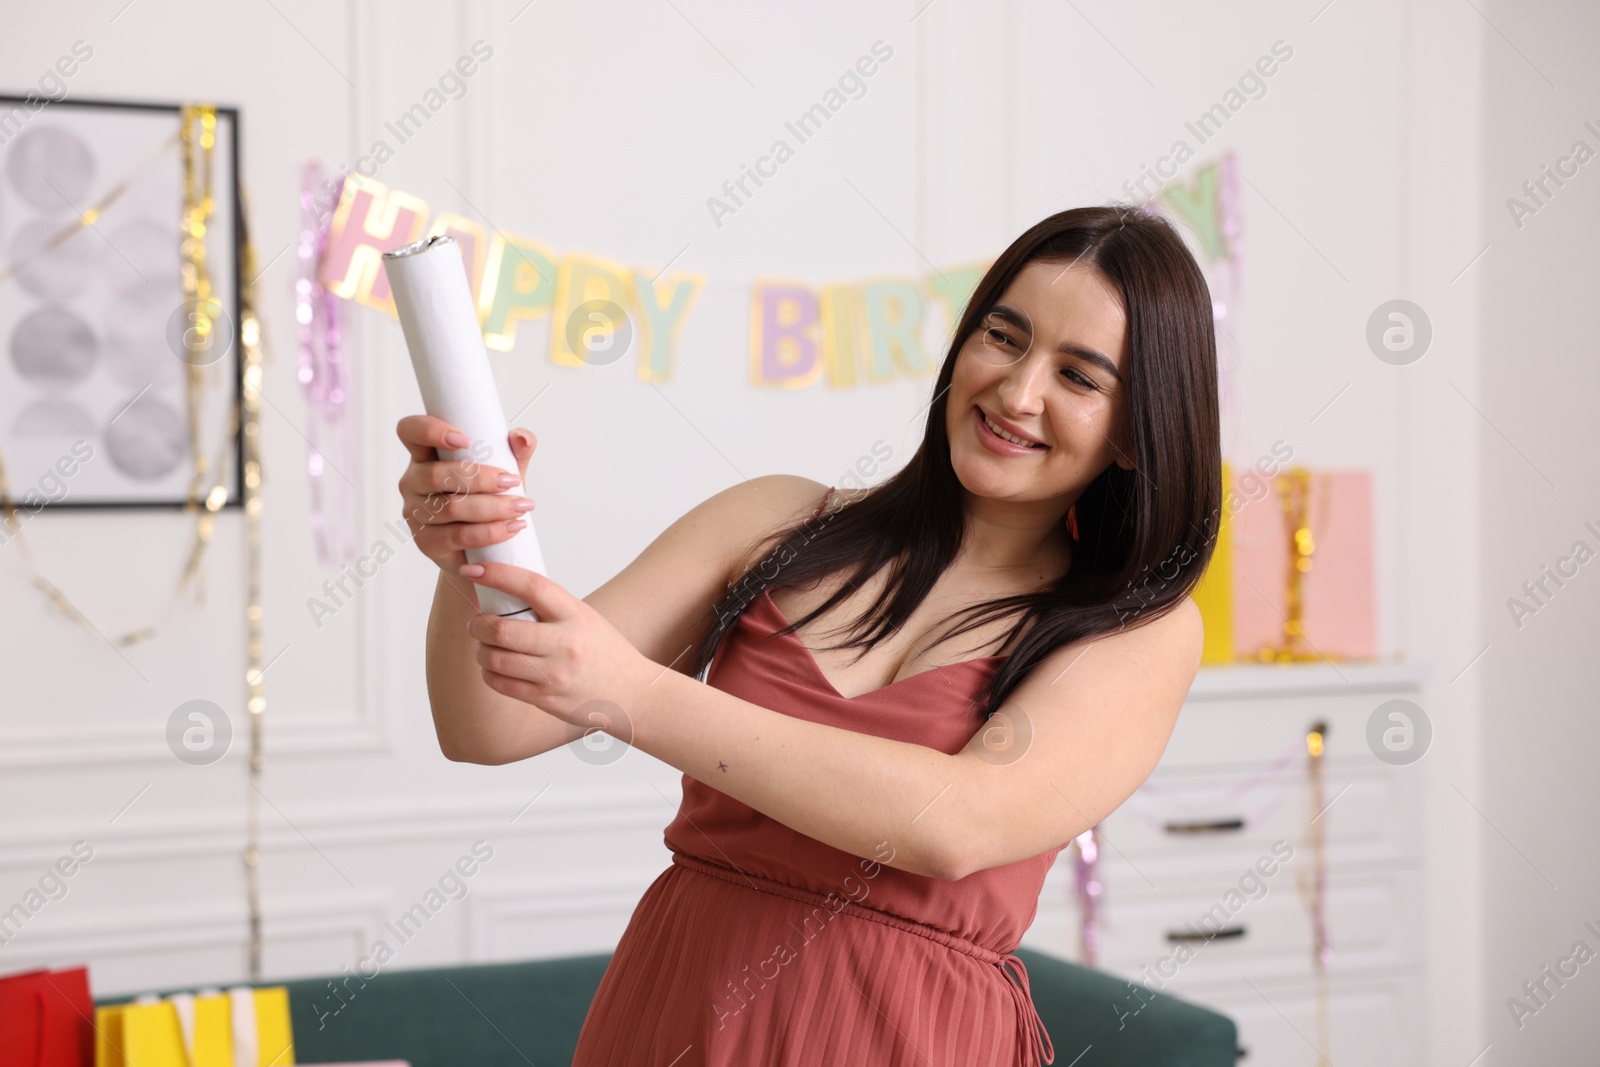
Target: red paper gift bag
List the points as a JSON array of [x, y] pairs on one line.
[[45, 1019]]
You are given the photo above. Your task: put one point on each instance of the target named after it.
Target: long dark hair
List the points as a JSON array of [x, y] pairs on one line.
[[1144, 535]]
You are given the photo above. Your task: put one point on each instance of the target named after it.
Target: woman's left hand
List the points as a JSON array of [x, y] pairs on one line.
[[571, 657]]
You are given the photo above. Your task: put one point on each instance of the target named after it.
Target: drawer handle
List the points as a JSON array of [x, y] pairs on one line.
[[1211, 826], [1201, 935]]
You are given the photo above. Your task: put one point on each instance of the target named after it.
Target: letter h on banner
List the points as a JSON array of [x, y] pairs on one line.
[[370, 221]]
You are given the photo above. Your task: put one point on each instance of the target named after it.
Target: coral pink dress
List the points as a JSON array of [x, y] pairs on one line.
[[763, 946]]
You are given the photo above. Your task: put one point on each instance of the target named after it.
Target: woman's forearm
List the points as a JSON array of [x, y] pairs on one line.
[[943, 815], [850, 790], [474, 723]]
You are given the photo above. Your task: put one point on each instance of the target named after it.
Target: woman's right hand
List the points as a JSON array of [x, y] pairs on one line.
[[453, 506]]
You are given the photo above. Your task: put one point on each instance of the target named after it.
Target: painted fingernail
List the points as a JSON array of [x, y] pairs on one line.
[[471, 570], [456, 439], [522, 505], [506, 481], [515, 525]]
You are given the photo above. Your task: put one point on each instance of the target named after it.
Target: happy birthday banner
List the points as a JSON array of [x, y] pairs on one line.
[[847, 334], [512, 278]]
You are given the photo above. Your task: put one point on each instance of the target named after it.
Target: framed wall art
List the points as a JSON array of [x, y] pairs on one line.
[[119, 371]]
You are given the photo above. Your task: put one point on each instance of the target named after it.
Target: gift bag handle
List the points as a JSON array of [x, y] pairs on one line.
[[46, 1051], [246, 1038], [41, 1019], [241, 1022]]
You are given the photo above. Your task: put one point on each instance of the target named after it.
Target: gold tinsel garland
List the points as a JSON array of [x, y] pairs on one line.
[[199, 131], [1313, 885], [256, 703]]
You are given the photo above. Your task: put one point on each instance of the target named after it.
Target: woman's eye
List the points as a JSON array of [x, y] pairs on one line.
[[998, 336], [1077, 376]]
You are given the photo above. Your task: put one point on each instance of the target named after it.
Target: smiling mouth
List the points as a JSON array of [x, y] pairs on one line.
[[1003, 434]]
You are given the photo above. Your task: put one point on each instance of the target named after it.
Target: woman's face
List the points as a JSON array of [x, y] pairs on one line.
[[1047, 364]]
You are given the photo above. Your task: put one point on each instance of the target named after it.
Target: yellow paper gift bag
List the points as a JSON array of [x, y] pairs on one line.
[[1214, 593], [201, 1030]]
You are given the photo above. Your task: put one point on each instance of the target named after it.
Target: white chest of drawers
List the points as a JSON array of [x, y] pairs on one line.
[[1196, 902]]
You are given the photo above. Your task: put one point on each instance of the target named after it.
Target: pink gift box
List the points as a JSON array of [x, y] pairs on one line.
[[1338, 593]]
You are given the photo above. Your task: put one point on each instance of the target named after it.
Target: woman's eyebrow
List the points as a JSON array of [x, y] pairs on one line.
[[1013, 316], [1071, 348], [1091, 355]]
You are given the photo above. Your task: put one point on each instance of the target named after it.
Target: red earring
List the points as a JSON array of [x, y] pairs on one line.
[[1072, 521]]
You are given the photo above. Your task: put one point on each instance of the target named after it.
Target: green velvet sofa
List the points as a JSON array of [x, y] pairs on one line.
[[517, 1014]]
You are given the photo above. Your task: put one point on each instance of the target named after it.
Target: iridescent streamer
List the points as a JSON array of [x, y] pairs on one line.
[[1246, 784], [330, 429], [1086, 877], [1231, 222]]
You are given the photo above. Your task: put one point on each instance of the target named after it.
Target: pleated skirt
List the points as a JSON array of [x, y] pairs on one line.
[[718, 968]]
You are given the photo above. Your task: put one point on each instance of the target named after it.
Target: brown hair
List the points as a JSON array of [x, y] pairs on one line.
[[1144, 535]]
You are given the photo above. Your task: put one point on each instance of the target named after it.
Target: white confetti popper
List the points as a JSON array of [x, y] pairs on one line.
[[440, 323]]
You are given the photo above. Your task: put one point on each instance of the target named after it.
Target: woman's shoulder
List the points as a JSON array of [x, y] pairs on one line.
[[758, 508], [788, 491], [1172, 642]]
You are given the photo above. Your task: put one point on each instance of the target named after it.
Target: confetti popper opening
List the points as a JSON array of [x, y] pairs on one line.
[[420, 246]]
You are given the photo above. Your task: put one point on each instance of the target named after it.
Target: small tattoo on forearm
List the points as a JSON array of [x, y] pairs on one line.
[[721, 766]]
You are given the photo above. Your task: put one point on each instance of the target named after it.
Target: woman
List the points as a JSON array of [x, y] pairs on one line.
[[863, 837]]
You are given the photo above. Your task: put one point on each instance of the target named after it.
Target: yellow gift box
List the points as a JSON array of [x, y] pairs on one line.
[[202, 1030]]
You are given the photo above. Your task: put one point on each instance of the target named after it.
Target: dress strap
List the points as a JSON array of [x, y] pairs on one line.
[[1030, 1027], [823, 503]]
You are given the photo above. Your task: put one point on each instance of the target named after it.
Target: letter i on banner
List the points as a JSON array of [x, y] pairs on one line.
[[839, 354], [370, 220], [783, 335]]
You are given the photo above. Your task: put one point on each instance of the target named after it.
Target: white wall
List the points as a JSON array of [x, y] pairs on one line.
[[603, 128], [1540, 484]]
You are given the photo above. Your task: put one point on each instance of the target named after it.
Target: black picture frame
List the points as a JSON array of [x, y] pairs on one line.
[[234, 245]]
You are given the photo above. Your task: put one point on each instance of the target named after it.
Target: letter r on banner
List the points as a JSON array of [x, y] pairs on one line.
[[891, 328]]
